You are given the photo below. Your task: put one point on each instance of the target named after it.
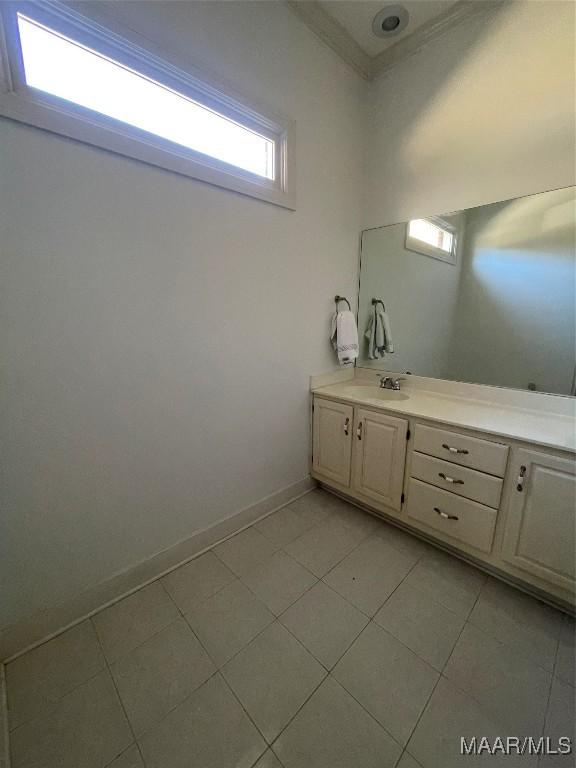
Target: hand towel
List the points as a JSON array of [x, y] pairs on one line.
[[378, 333], [344, 337]]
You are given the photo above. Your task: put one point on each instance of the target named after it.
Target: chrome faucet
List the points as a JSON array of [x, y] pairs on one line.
[[387, 382]]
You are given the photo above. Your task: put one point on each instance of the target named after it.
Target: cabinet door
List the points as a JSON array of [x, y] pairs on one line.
[[540, 527], [379, 455], [332, 440]]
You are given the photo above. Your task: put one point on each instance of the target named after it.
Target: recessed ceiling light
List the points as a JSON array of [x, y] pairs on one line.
[[391, 20]]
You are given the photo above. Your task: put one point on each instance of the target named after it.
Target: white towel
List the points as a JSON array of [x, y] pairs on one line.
[[378, 333], [344, 337]]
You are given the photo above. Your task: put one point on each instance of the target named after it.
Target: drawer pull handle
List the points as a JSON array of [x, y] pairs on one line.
[[359, 431], [346, 425], [454, 450], [448, 479], [521, 478], [445, 515]]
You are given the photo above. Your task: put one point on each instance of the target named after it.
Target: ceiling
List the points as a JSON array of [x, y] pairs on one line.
[[346, 26], [356, 17]]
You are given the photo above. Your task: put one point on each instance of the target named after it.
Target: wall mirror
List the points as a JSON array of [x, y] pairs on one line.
[[485, 295]]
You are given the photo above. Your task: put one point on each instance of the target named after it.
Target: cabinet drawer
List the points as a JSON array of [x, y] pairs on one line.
[[460, 449], [451, 515], [460, 480]]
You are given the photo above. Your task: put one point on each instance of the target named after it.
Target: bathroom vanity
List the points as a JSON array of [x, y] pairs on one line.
[[476, 311], [462, 465]]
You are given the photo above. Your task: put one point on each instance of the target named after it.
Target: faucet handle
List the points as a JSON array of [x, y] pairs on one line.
[[390, 382]]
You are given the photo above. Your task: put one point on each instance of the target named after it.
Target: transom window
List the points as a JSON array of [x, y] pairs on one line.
[[432, 237], [68, 75]]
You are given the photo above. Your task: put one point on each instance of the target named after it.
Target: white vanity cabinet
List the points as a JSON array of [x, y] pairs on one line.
[[506, 505], [332, 440], [379, 457], [359, 450], [540, 531]]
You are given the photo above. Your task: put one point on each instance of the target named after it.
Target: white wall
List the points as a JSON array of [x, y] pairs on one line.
[[157, 333], [486, 113]]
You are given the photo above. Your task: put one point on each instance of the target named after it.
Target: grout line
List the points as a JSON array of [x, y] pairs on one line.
[[117, 694], [306, 700], [202, 600], [218, 670], [552, 678], [441, 675]]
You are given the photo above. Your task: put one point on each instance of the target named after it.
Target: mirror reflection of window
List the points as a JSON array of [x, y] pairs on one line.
[[432, 237]]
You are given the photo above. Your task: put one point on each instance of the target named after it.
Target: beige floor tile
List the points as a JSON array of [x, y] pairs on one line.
[[244, 551], [449, 716], [369, 575], [390, 681], [566, 659], [447, 580], [268, 760], [362, 523], [273, 677], [128, 623], [208, 730], [159, 674], [422, 624], [283, 526], [322, 547], [316, 506], [38, 679], [131, 758], [229, 620], [407, 761], [402, 540], [520, 621], [325, 623], [87, 728], [197, 580], [560, 722], [279, 582], [510, 689], [333, 731]]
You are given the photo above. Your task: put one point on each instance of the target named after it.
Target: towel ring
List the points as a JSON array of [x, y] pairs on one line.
[[378, 301], [338, 299]]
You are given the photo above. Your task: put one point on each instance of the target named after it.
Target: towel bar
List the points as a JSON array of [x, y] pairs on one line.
[[338, 299]]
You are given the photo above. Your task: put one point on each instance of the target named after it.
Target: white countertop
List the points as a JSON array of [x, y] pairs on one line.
[[531, 426]]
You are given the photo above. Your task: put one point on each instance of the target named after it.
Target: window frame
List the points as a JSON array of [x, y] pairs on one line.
[[22, 103], [425, 249]]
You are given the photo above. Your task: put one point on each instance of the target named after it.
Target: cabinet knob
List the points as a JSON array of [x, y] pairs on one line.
[[346, 426]]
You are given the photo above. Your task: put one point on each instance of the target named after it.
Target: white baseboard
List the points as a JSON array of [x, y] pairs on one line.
[[4, 744], [53, 620]]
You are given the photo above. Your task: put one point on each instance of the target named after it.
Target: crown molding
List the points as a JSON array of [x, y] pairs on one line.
[[331, 32], [434, 29], [337, 37]]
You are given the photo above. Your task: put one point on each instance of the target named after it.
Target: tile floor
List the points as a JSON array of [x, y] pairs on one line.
[[321, 637]]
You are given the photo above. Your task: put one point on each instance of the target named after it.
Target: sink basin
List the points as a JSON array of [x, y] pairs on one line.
[[374, 393]]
